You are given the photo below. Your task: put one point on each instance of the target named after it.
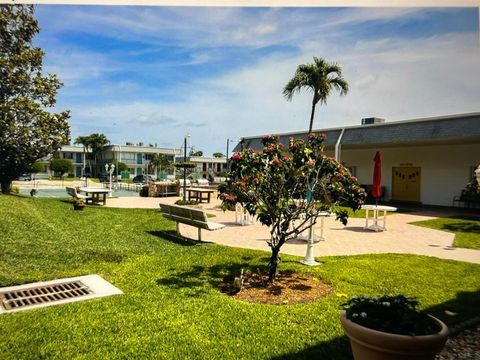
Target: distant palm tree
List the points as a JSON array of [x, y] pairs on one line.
[[320, 77], [94, 142], [84, 141], [160, 161]]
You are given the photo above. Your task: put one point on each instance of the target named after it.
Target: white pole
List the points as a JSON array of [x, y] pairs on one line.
[[309, 257]]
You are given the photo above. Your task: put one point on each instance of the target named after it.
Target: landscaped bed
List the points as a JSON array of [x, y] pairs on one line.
[[173, 307]]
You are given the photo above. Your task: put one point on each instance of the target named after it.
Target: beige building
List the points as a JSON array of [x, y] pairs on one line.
[[425, 161]]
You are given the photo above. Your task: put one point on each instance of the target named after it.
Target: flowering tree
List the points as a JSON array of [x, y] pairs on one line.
[[286, 189]]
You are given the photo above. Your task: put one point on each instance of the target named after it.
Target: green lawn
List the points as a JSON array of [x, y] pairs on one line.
[[466, 229], [171, 306]]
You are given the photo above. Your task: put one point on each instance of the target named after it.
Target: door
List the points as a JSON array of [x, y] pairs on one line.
[[406, 184]]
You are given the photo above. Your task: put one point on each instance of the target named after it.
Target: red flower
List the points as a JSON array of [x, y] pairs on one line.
[[310, 163], [275, 161], [293, 147], [236, 157], [280, 146], [324, 136], [266, 137]]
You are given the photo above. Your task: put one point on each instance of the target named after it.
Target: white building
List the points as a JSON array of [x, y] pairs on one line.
[[206, 166], [425, 161], [136, 157]]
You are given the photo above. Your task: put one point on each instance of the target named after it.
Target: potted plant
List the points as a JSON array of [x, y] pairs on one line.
[[78, 203], [390, 328]]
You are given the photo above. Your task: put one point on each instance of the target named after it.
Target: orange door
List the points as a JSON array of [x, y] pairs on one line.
[[406, 184]]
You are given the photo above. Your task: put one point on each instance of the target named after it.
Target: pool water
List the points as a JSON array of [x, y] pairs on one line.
[[61, 193]]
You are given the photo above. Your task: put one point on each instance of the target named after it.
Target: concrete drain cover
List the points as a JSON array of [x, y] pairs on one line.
[[41, 294]]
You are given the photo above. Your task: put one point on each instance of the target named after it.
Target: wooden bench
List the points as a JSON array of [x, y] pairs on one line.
[[74, 194], [190, 216]]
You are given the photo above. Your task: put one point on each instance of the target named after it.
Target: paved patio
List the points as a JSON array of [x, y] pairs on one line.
[[352, 239]]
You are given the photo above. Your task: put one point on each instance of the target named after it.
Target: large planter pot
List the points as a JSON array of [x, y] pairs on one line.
[[368, 344]]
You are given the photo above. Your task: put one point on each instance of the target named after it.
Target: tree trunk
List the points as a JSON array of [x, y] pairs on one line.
[[274, 261], [311, 117], [6, 187]]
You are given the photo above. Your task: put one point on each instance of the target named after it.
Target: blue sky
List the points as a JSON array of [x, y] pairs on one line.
[[153, 74]]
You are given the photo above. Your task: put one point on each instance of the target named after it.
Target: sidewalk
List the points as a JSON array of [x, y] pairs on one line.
[[401, 237]]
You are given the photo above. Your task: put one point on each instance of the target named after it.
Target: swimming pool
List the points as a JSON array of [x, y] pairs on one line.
[[61, 193]]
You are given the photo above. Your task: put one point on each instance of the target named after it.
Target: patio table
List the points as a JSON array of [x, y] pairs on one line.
[[96, 193], [376, 209], [197, 194]]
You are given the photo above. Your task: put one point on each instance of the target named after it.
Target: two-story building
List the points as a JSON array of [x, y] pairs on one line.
[[206, 166], [136, 157]]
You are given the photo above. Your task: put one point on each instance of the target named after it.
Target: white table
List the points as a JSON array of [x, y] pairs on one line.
[[242, 216], [96, 192], [376, 209], [322, 215]]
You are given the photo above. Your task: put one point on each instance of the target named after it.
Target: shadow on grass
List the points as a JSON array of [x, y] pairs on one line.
[[199, 278], [465, 227], [335, 349], [171, 235], [463, 308]]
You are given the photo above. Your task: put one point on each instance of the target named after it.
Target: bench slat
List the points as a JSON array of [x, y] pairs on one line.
[[193, 217]]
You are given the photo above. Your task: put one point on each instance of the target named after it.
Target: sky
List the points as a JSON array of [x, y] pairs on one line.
[[153, 74]]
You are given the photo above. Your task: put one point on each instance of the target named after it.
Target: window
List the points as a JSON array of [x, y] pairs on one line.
[[68, 155]]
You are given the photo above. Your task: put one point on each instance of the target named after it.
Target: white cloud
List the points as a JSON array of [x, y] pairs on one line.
[[394, 79]]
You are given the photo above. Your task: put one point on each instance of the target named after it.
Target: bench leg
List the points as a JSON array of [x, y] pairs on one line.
[[199, 234]]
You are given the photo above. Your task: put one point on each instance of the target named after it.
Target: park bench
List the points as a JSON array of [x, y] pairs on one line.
[[74, 194], [189, 216]]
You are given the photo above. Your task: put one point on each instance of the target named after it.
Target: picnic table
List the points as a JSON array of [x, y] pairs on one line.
[[376, 209], [198, 194], [96, 194]]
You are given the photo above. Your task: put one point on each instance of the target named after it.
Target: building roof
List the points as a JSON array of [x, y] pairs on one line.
[[451, 129]]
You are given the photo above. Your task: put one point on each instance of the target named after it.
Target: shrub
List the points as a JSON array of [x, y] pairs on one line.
[[392, 314], [186, 202], [144, 191]]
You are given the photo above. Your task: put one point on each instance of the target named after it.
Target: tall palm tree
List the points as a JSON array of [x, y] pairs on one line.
[[84, 141], [320, 78]]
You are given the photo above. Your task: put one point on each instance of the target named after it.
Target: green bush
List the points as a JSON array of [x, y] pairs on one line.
[[186, 202], [144, 191]]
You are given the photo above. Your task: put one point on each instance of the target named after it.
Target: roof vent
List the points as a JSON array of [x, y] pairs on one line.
[[372, 120]]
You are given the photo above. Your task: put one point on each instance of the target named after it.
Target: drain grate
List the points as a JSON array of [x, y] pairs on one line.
[[54, 292], [43, 294]]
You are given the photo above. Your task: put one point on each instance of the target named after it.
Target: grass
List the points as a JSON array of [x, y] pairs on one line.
[[171, 306], [466, 229]]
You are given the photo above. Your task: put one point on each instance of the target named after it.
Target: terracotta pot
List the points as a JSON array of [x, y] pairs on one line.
[[368, 344]]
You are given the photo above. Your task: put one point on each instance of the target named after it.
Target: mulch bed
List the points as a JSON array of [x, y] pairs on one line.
[[288, 289]]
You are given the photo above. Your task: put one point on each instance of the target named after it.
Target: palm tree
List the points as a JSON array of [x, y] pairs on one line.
[[320, 77], [84, 141], [94, 142], [97, 142], [160, 161]]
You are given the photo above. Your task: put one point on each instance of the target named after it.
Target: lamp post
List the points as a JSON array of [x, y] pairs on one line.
[[226, 156], [109, 170], [184, 167], [477, 175]]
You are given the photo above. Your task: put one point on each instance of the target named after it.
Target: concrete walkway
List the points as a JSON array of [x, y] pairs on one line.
[[401, 237]]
